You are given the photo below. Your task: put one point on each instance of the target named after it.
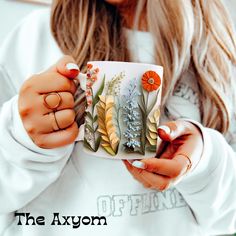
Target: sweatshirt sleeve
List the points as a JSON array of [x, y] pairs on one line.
[[210, 188], [25, 169]]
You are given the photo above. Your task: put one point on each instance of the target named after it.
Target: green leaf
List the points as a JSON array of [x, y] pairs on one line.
[[117, 148], [143, 131], [142, 99], [89, 127], [142, 113], [132, 150], [139, 150], [152, 148], [99, 92], [96, 128], [128, 149], [95, 118], [143, 141], [141, 107], [89, 115], [97, 143], [110, 151], [153, 103], [87, 145]]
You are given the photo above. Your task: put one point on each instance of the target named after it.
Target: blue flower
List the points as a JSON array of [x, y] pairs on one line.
[[132, 116]]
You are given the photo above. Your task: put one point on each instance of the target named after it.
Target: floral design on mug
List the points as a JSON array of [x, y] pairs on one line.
[[107, 125], [152, 125], [113, 86], [150, 85], [151, 81], [132, 118], [127, 116], [91, 79], [92, 139]]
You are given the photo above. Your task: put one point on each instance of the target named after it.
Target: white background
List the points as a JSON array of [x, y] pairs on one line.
[[12, 11]]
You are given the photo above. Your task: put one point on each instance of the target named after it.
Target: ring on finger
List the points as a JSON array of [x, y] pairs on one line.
[[189, 162], [52, 100], [54, 122]]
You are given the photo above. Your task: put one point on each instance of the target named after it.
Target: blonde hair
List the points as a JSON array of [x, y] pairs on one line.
[[197, 34]]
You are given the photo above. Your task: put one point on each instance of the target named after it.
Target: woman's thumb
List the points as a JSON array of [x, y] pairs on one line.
[[174, 129], [67, 67]]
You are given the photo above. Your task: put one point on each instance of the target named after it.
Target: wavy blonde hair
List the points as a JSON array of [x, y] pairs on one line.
[[188, 33]]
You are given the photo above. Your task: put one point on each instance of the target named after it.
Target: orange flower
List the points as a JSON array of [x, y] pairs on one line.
[[89, 66], [94, 78], [89, 102], [151, 81], [96, 70], [88, 93], [89, 85]]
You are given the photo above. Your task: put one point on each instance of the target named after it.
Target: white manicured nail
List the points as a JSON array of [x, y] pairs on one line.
[[72, 66], [139, 164], [165, 128]]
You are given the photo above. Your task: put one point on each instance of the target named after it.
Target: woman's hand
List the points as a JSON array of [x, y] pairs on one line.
[[180, 151], [46, 105]]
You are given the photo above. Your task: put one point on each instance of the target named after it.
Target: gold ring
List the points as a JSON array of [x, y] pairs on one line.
[[189, 162], [54, 122], [57, 103]]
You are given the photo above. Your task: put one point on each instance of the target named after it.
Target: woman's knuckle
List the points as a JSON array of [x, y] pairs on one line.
[[24, 111], [25, 108], [30, 129], [40, 142]]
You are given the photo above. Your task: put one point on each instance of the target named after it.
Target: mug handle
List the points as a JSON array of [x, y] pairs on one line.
[[82, 80]]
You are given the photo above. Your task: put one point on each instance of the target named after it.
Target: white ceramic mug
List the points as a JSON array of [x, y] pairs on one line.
[[123, 109]]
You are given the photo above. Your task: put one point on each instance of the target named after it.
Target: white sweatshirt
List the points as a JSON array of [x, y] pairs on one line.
[[78, 186]]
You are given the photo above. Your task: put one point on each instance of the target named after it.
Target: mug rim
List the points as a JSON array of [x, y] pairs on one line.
[[133, 63]]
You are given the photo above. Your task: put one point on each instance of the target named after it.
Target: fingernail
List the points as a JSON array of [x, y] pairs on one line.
[[139, 164], [72, 66], [165, 128]]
